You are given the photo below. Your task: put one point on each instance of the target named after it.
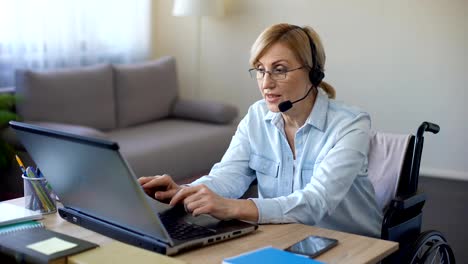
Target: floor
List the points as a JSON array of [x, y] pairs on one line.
[[446, 210]]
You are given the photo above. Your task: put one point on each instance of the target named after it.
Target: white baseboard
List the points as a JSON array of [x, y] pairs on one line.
[[444, 174]]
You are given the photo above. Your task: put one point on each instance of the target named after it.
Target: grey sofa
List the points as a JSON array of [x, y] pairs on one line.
[[135, 105]]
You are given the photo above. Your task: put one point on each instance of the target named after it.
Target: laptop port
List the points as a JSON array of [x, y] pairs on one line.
[[210, 240]]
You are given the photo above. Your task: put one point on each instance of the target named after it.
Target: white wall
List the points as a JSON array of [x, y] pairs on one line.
[[404, 61]]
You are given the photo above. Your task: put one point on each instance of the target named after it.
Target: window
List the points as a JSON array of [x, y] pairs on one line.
[[50, 34]]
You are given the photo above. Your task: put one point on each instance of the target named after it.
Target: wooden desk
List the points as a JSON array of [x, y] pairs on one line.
[[351, 248]]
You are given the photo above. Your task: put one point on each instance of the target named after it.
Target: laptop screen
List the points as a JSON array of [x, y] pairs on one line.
[[91, 176]]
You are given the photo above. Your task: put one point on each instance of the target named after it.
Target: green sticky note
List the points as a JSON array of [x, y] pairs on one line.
[[51, 246]]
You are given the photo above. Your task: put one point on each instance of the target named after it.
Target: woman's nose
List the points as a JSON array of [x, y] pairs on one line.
[[267, 81]]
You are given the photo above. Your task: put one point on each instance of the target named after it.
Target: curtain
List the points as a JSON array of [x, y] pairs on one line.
[[50, 34]]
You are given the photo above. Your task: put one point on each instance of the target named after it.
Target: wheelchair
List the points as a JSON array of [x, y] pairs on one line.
[[403, 213], [396, 189]]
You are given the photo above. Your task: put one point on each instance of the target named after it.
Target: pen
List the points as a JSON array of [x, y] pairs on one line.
[[32, 204], [47, 186], [44, 187], [41, 191], [46, 203]]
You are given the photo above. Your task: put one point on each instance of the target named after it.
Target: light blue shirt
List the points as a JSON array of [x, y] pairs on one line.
[[325, 185]]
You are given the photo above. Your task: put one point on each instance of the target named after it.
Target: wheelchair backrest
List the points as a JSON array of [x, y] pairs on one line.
[[387, 155]]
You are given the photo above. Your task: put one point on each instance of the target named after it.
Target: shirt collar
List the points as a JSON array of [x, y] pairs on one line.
[[270, 116], [274, 118], [317, 117]]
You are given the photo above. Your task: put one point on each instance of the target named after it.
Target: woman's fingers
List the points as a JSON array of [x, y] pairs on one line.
[[201, 200], [164, 195], [203, 206], [204, 201], [147, 179], [205, 209], [194, 201], [144, 179], [161, 187], [159, 181], [183, 193]]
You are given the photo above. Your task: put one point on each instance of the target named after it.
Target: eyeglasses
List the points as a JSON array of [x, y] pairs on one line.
[[276, 74]]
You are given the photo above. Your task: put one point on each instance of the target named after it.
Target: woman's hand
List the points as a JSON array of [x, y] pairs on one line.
[[201, 200], [161, 187]]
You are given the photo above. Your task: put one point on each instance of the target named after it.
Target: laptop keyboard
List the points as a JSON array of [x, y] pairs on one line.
[[181, 230]]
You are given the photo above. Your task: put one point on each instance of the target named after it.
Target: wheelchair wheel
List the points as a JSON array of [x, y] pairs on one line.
[[431, 247]]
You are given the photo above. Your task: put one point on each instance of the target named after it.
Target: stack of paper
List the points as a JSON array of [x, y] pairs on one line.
[[14, 214]]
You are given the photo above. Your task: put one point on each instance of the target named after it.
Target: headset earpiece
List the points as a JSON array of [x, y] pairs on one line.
[[315, 74], [316, 77]]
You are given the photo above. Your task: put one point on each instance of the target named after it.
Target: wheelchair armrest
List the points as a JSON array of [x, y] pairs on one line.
[[403, 203]]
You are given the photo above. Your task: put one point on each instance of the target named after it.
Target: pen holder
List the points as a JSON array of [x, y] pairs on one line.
[[38, 195]]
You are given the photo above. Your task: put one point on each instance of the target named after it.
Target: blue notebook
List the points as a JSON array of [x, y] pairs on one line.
[[5, 229], [269, 255]]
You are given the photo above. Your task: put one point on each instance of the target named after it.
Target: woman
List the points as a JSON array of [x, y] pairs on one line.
[[307, 151]]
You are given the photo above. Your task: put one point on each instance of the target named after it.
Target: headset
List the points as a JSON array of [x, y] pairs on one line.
[[316, 75]]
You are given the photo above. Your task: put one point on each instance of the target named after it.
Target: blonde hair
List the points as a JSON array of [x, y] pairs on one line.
[[296, 40]]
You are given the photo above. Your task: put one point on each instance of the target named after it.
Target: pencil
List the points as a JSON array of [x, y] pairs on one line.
[[21, 165], [40, 175]]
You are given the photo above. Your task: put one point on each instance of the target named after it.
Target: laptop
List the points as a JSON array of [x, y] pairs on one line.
[[99, 191]]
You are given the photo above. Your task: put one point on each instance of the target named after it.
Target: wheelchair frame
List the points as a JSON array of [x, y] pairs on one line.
[[403, 218]]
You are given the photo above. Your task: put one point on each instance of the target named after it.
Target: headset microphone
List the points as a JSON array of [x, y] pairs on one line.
[[286, 105]]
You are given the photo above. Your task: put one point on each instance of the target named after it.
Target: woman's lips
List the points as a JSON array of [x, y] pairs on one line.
[[272, 98]]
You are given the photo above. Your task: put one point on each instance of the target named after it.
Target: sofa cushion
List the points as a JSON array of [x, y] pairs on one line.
[[181, 148], [82, 96], [145, 91]]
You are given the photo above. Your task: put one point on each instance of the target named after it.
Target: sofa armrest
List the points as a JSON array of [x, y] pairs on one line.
[[209, 111], [7, 90], [5, 134]]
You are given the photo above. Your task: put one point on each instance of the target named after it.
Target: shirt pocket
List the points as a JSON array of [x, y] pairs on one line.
[[263, 165], [266, 171]]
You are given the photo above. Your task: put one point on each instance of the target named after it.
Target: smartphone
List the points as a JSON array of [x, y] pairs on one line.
[[313, 246]]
